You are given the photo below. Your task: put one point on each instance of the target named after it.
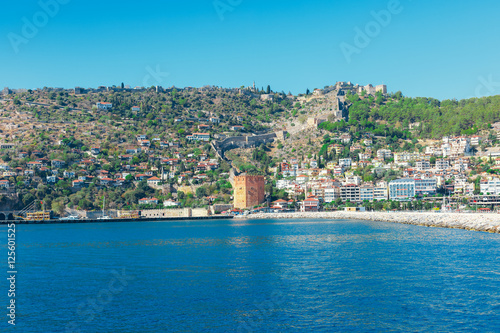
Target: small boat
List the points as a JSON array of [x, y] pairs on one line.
[[70, 218], [104, 217]]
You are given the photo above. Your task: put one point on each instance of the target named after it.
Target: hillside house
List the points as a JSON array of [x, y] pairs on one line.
[[69, 174], [104, 105], [310, 204], [57, 163], [148, 201], [145, 143], [34, 165], [199, 137], [133, 150], [154, 181], [51, 179], [106, 181], [141, 176]]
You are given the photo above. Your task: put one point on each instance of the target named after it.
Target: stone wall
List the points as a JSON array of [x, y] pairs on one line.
[[159, 213], [218, 208], [199, 212], [176, 212], [242, 142]]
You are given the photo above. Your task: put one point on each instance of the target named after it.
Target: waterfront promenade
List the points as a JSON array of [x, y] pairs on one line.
[[487, 222]]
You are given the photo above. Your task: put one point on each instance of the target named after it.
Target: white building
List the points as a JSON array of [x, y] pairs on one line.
[[456, 146], [364, 156], [356, 180], [331, 194], [349, 192], [423, 165], [475, 140], [490, 186], [380, 191], [366, 193], [406, 189], [345, 162], [461, 186], [170, 203], [405, 157], [442, 164], [104, 105], [199, 137]]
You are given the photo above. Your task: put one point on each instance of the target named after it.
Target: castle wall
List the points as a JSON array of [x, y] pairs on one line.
[[242, 142], [182, 212]]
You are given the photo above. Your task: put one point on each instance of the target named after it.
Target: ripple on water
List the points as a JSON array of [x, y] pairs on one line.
[[273, 276]]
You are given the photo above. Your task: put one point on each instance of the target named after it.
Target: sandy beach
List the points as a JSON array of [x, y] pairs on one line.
[[469, 221]]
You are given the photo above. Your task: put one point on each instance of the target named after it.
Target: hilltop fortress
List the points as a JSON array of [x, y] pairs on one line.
[[337, 108]]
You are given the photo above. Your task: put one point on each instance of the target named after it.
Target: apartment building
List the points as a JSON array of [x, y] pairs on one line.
[[349, 192]]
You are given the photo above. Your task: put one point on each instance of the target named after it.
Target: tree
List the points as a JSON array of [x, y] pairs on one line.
[[201, 192], [180, 195], [268, 90], [477, 185], [58, 207]]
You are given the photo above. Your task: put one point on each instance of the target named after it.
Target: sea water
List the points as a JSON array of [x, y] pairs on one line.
[[253, 276]]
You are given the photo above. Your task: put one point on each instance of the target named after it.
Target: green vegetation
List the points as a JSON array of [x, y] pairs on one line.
[[436, 118]]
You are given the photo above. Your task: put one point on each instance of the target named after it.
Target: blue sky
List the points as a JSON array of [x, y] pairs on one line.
[[424, 48]]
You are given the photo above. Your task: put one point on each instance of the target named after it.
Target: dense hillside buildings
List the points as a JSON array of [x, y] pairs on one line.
[[168, 150]]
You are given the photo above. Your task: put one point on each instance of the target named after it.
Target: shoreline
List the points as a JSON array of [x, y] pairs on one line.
[[81, 221], [488, 222]]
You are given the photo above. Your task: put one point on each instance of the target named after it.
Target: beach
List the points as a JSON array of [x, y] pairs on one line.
[[488, 222]]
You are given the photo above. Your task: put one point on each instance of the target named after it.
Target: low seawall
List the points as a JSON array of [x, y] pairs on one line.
[[159, 219], [468, 221]]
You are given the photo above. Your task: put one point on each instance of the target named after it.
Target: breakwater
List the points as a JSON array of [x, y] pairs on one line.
[[489, 222]]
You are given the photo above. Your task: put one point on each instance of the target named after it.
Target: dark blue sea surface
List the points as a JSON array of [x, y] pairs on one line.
[[260, 275]]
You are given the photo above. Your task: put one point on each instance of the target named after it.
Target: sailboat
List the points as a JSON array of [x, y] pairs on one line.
[[104, 217]]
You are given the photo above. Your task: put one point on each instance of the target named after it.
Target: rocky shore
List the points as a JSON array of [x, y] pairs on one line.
[[468, 221]]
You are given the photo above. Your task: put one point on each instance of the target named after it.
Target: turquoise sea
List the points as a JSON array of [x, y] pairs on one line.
[[253, 276]]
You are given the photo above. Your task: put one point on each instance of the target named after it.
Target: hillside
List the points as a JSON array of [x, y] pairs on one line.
[[156, 131]]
